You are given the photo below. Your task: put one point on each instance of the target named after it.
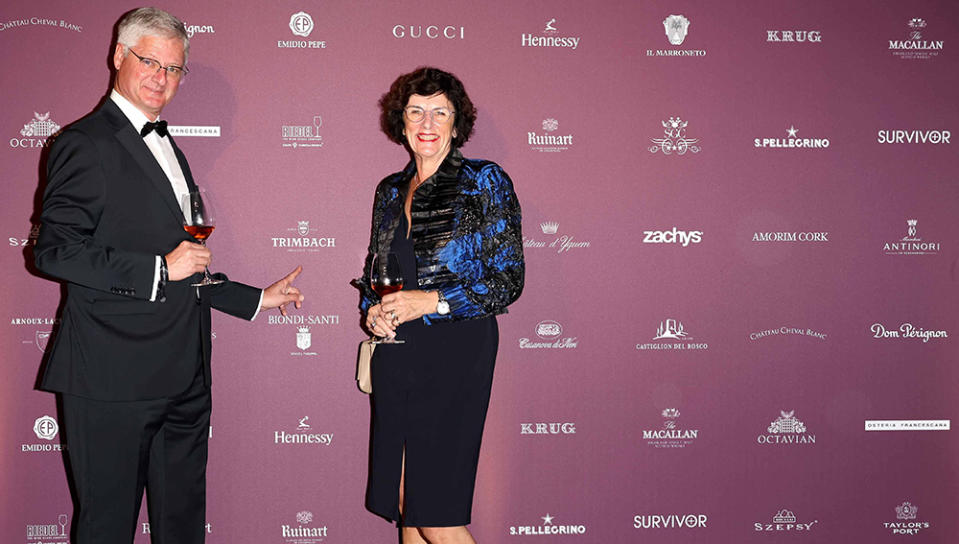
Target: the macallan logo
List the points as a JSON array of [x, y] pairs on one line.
[[906, 331], [792, 141], [676, 28], [551, 332], [674, 236], [302, 533], [303, 242], [914, 46], [911, 243], [548, 142], [671, 435], [786, 429], [303, 435], [301, 25], [907, 522], [562, 243], [38, 132], [785, 521], [672, 335], [550, 38], [794, 36], [674, 140], [547, 528]]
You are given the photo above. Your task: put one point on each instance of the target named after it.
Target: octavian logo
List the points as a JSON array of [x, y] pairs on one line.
[[791, 142], [794, 36], [785, 521], [547, 528], [430, 32], [547, 428], [670, 435], [303, 136], [676, 27], [303, 242], [303, 435], [914, 47], [906, 520], [674, 140], [906, 331], [301, 25], [670, 521], [786, 430], [46, 429], [50, 533], [787, 331], [911, 243], [302, 532], [550, 38], [548, 142], [671, 335], [38, 132], [551, 332], [562, 243]]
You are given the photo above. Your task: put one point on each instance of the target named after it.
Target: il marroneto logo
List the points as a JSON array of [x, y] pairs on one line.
[[914, 46], [302, 533], [786, 430], [794, 36], [303, 435], [670, 521], [547, 528], [301, 25], [551, 332], [550, 38], [676, 27], [787, 331], [303, 241], [672, 335], [674, 139], [303, 136], [38, 132], [911, 243], [547, 141], [670, 435], [906, 331], [562, 243], [785, 521], [906, 520], [908, 424], [50, 533], [791, 141]]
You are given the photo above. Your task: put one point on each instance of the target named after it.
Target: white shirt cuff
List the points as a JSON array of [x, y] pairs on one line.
[[258, 306], [156, 280]]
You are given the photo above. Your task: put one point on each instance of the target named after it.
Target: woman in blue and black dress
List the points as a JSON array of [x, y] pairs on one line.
[[455, 224]]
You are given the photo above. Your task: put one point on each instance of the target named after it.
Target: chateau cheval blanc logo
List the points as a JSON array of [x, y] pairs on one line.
[[547, 528], [303, 136], [676, 27], [787, 429], [671, 435], [785, 521], [46, 429], [50, 533], [547, 141], [562, 243], [40, 21], [794, 36], [303, 532], [37, 132], [550, 38], [301, 239], [672, 335], [787, 331], [551, 334], [674, 140], [914, 46], [303, 435], [792, 141], [907, 522], [301, 25], [911, 243], [906, 331]]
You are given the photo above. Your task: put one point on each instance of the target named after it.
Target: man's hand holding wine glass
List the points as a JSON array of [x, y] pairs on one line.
[[186, 259]]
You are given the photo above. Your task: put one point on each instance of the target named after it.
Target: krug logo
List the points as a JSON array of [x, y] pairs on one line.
[[793, 36], [547, 428], [431, 32]]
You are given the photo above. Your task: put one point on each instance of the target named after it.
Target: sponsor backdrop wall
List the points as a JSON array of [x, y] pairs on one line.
[[740, 230]]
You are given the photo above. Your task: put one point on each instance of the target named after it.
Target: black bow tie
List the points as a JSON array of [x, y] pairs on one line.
[[159, 126]]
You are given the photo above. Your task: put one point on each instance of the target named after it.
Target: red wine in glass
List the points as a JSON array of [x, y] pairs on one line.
[[385, 278], [199, 220]]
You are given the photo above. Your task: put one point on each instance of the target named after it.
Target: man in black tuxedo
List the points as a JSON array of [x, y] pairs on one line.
[[131, 359]]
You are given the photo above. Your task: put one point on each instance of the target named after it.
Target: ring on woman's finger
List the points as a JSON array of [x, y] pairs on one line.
[[373, 323], [393, 316]]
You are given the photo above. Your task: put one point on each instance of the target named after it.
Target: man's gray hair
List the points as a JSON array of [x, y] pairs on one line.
[[151, 22]]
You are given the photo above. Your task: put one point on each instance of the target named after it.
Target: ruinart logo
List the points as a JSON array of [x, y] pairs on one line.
[[302, 533], [674, 236]]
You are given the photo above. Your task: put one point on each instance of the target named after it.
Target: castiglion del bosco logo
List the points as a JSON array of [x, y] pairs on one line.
[[911, 243], [792, 141], [785, 521], [906, 331], [672, 335], [45, 428], [301, 25], [674, 140], [550, 335], [50, 533], [38, 132], [786, 430], [303, 435], [548, 141], [303, 532], [303, 136], [671, 435], [914, 46], [562, 243], [907, 522], [301, 239], [547, 528], [550, 38], [676, 27]]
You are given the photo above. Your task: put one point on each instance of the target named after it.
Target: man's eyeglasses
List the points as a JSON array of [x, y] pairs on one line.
[[153, 66]]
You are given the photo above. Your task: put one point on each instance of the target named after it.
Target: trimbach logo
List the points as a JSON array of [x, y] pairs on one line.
[[787, 331], [547, 528], [303, 435], [786, 430], [562, 243], [38, 132], [897, 136], [670, 521], [670, 435], [547, 142], [791, 142], [50, 533], [911, 243], [914, 47], [785, 521], [46, 429], [547, 428], [794, 36], [671, 335], [674, 139], [676, 27], [551, 332], [303, 242], [302, 533], [674, 236], [906, 331], [303, 136], [429, 32], [301, 25], [550, 39], [906, 520]]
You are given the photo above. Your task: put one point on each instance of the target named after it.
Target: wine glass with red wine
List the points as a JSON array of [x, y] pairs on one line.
[[385, 278], [199, 220]]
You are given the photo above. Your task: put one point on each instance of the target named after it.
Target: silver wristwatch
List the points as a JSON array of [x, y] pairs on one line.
[[442, 306]]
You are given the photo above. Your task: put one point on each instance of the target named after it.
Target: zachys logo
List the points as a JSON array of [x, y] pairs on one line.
[[914, 46], [303, 435], [787, 331], [547, 528], [548, 142], [430, 32], [785, 521], [674, 140], [38, 132], [906, 331], [786, 429], [547, 428], [907, 522], [908, 424], [40, 21], [549, 38], [562, 243], [794, 36], [674, 236], [669, 521], [50, 533], [304, 241], [672, 335], [671, 435], [45, 428], [792, 141], [301, 25], [897, 136], [303, 136], [911, 243], [302, 532], [676, 27], [551, 333]]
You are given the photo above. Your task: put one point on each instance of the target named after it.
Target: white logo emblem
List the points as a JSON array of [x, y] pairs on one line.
[[301, 533], [301, 24], [549, 26], [303, 228], [674, 140], [46, 428], [303, 337], [547, 330], [785, 520], [549, 227], [786, 423], [676, 28], [40, 126], [670, 328], [549, 125], [911, 231], [906, 510], [42, 338], [911, 243], [304, 517]]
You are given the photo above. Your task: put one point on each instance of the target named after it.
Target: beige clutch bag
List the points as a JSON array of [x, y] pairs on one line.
[[363, 378]]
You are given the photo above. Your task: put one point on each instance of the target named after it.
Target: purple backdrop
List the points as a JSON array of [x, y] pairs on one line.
[[731, 272]]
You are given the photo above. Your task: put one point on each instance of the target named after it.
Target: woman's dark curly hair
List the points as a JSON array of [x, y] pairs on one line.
[[426, 81]]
